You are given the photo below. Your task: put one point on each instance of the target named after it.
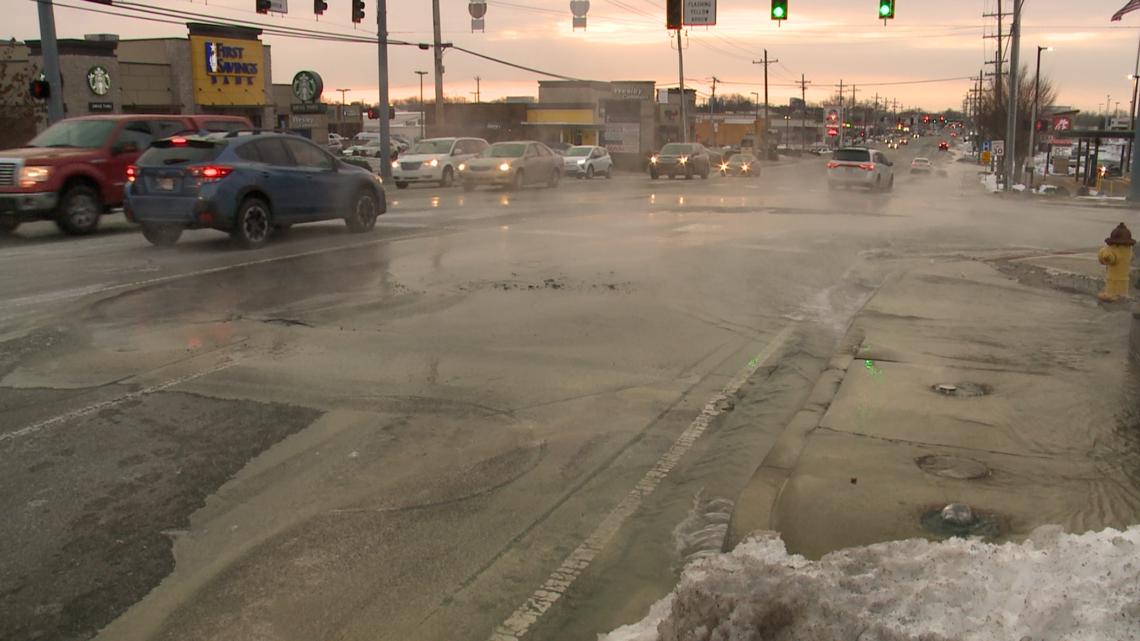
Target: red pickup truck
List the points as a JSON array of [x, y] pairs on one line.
[[75, 170]]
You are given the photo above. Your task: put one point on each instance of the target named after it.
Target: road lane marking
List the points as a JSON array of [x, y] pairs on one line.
[[559, 581], [102, 405]]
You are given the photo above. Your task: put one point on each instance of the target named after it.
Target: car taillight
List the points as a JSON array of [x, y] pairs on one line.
[[832, 164], [208, 173], [867, 166], [178, 141], [132, 173]]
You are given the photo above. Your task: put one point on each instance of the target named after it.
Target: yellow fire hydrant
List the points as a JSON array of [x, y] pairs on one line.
[[1116, 256]]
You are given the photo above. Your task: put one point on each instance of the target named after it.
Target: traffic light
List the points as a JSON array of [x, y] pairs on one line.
[[779, 9], [358, 11], [886, 9], [926, 119], [320, 6], [262, 6], [674, 14], [372, 113], [39, 89]]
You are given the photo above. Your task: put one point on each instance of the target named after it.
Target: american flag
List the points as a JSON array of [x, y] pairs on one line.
[[1132, 5]]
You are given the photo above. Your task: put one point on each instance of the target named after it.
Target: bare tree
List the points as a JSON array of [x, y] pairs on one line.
[[992, 113], [19, 112]]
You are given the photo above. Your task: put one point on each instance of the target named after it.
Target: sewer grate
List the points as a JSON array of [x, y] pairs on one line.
[[962, 390]]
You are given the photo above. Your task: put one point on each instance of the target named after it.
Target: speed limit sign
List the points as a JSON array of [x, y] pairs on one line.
[[998, 147]]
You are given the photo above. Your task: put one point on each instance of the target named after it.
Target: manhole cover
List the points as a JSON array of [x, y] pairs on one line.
[[954, 521], [952, 467], [962, 389]]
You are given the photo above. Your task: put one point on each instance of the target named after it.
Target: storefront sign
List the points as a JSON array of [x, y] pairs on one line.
[[227, 72], [622, 137], [100, 107], [98, 80], [700, 13], [309, 108], [630, 91], [308, 86], [302, 122]]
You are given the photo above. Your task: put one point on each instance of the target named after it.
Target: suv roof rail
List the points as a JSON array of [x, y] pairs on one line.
[[257, 131]]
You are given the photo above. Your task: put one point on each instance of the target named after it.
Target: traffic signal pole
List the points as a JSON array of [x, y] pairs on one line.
[[51, 61], [681, 76], [438, 54], [382, 75]]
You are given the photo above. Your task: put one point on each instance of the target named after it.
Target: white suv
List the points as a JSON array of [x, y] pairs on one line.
[[435, 160], [860, 167]]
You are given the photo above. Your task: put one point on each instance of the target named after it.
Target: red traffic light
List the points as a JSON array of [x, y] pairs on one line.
[[372, 113], [39, 89]]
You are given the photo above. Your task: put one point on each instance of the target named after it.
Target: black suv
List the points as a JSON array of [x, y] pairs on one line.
[[686, 159]]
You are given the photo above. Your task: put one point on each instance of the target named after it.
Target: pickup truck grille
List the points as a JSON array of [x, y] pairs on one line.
[[7, 174]]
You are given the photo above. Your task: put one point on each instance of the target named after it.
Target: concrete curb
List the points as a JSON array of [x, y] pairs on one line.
[[756, 504]]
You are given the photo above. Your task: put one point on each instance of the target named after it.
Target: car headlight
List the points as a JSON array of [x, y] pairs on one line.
[[462, 166], [744, 167], [683, 159], [434, 162], [724, 166], [32, 175], [581, 162], [395, 163], [505, 166], [653, 159]]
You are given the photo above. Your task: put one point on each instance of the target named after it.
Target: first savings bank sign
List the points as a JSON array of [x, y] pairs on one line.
[[227, 72]]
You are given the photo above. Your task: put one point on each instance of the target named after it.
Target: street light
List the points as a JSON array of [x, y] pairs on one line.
[[787, 131], [1033, 119], [423, 112], [342, 92]]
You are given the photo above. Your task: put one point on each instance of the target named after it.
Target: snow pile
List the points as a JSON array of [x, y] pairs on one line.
[[990, 181], [1052, 587]]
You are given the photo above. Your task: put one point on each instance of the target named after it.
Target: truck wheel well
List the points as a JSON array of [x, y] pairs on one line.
[[85, 181]]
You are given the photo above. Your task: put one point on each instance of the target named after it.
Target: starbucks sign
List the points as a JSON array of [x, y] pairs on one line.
[[98, 80], [308, 86]]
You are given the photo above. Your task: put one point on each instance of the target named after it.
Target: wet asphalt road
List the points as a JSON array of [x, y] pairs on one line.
[[406, 434]]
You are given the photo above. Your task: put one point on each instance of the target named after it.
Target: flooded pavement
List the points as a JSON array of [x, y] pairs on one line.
[[512, 412]]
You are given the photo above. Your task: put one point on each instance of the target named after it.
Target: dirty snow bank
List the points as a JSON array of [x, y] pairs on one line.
[[1052, 587]]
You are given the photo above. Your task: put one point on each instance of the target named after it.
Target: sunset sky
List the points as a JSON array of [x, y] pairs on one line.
[[827, 40]]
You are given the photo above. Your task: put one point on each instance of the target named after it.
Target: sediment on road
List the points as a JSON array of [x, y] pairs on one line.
[[957, 383]]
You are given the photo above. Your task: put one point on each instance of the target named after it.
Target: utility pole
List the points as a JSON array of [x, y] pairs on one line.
[[1014, 81], [341, 119], [1033, 117], [853, 108], [382, 73], [875, 111], [478, 90], [50, 49], [841, 115], [681, 85], [423, 108], [756, 115], [765, 62], [804, 82], [438, 52], [999, 57], [712, 104]]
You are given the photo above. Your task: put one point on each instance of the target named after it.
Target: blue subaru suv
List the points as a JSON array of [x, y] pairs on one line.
[[246, 183]]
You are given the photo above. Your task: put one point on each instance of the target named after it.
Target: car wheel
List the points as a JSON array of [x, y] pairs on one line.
[[468, 185], [401, 185], [448, 177], [8, 224], [555, 176], [252, 224], [162, 235], [589, 172], [518, 180], [363, 216], [78, 211]]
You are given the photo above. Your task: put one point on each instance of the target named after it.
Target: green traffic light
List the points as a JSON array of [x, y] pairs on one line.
[[886, 9], [777, 12]]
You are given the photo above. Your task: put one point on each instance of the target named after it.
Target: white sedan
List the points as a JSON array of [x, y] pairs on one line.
[[587, 161], [435, 160]]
